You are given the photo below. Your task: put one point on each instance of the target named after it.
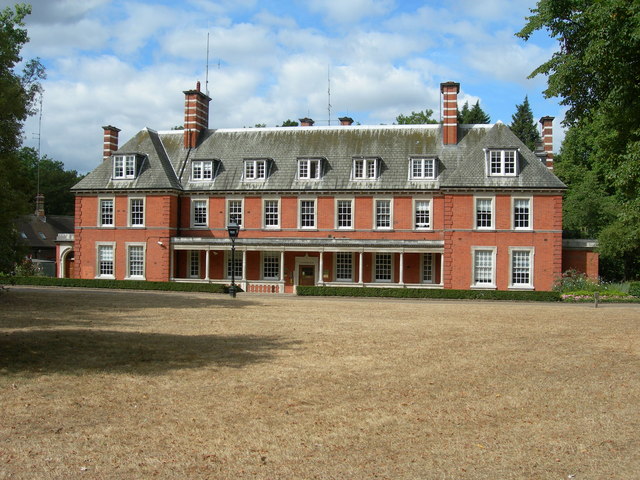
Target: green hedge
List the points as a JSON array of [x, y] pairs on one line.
[[118, 284], [427, 293], [634, 289]]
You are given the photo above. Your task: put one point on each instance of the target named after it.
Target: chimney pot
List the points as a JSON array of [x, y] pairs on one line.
[[196, 115], [306, 122], [547, 140], [40, 206], [346, 120]]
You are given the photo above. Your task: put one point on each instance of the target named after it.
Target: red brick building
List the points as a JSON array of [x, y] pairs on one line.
[[426, 206]]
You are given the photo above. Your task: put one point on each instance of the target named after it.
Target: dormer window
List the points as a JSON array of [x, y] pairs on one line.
[[423, 169], [502, 163], [366, 168], [202, 170], [125, 166], [309, 168], [255, 169]]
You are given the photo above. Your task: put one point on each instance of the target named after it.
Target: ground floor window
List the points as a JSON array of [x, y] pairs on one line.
[[271, 266], [521, 268], [383, 267], [427, 267], [135, 260], [344, 267], [235, 266], [194, 264], [484, 267], [105, 260]]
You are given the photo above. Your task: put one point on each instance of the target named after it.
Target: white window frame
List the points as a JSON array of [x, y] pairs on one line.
[[485, 285], [257, 165], [264, 213], [352, 214], [370, 169], [531, 254], [501, 163], [336, 266], [263, 257], [234, 201], [227, 264], [375, 214], [113, 212], [124, 167], [492, 199], [432, 267], [195, 200], [202, 170], [129, 246], [315, 214], [193, 255], [415, 212], [130, 212], [113, 260], [374, 274], [421, 164], [513, 213], [306, 168]]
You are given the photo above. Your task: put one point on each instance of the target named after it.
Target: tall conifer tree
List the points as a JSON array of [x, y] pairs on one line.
[[523, 125]]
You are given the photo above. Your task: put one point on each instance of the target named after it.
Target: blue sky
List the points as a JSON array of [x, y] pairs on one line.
[[126, 63]]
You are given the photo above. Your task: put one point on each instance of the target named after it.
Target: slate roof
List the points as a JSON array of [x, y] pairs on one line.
[[167, 164], [41, 232]]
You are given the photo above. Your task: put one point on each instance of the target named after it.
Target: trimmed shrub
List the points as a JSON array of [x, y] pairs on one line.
[[118, 284], [634, 289], [427, 293]]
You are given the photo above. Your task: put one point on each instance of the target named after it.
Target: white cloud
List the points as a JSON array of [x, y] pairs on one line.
[[352, 11]]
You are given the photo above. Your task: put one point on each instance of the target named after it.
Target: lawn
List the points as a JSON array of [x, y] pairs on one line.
[[121, 384]]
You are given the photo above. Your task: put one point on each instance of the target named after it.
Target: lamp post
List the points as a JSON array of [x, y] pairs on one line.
[[234, 229]]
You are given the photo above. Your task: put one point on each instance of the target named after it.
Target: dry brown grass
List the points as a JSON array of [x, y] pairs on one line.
[[106, 385]]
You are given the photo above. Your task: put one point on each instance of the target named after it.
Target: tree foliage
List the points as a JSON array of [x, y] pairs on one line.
[[18, 92], [289, 123], [416, 118], [474, 114], [51, 179], [596, 74], [523, 125]]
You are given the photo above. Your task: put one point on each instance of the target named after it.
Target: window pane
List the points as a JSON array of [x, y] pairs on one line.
[[136, 261], [137, 211], [344, 267], [106, 212], [483, 213], [207, 170], [496, 163], [307, 213], [271, 217], [358, 168], [383, 267], [371, 168], [194, 264], [427, 268], [422, 214], [521, 213], [509, 162], [344, 214], [383, 213], [249, 169], [238, 265], [235, 211], [200, 212], [521, 267], [196, 170], [105, 260], [303, 169], [483, 267], [261, 168], [130, 166], [271, 265]]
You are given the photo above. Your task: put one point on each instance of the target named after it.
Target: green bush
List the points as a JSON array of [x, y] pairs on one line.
[[634, 289], [427, 293], [117, 284], [572, 281]]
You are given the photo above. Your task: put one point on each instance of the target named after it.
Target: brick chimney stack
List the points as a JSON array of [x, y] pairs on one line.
[[346, 121], [450, 92], [306, 122], [40, 206], [110, 142], [196, 115], [547, 139]]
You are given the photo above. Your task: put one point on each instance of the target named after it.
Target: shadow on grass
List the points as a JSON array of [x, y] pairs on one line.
[[80, 351], [37, 307]]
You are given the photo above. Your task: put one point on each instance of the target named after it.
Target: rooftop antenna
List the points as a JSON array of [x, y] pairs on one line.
[[206, 81], [38, 136], [329, 92]]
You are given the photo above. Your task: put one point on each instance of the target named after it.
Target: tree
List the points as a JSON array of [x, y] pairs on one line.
[[54, 182], [289, 123], [416, 118], [18, 92], [523, 125], [474, 114], [595, 72]]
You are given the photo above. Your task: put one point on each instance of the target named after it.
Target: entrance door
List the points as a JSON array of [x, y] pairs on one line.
[[307, 275]]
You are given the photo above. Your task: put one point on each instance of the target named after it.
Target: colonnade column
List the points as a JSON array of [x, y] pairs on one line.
[[361, 268], [321, 268], [207, 262], [401, 269]]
